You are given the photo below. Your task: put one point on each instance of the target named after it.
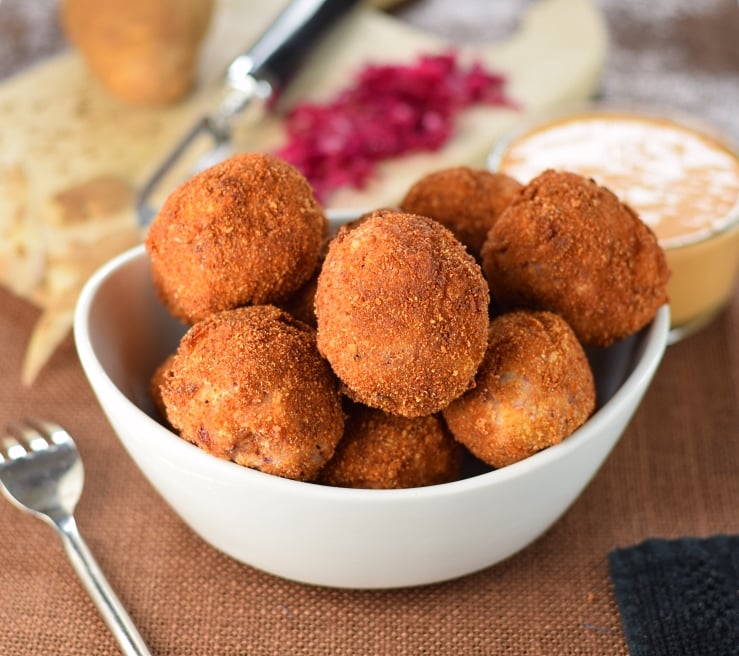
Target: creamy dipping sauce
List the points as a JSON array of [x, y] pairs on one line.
[[682, 182]]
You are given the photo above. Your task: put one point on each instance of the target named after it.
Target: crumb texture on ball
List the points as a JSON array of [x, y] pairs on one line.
[[402, 313], [534, 388], [567, 245], [468, 201], [383, 451], [245, 231], [249, 385]]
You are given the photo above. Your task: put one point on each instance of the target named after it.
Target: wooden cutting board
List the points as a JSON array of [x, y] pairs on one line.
[[71, 155]]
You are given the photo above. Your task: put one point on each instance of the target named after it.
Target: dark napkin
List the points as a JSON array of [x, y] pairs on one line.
[[679, 597]]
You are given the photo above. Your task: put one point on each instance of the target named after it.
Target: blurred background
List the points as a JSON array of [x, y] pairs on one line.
[[659, 51]]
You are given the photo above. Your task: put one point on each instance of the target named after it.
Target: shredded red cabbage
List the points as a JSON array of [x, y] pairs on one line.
[[390, 110]]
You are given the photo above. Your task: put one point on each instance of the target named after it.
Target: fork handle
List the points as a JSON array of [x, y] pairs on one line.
[[107, 602]]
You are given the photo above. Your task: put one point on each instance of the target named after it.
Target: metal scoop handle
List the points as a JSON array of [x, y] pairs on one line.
[[257, 74], [262, 71], [278, 52]]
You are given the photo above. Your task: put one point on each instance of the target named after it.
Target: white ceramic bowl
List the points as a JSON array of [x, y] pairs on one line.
[[334, 536]]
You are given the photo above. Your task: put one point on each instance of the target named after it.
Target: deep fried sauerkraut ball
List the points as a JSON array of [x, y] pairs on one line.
[[249, 385], [534, 388], [465, 200], [402, 313], [247, 230], [567, 245], [158, 378], [383, 451], [301, 303]]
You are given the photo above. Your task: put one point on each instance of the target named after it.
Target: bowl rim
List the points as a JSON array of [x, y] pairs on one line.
[[652, 347]]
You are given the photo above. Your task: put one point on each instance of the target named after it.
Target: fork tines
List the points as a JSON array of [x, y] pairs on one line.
[[30, 435]]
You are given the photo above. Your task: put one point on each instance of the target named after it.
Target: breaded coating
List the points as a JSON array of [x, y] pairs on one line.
[[245, 231], [534, 388], [249, 385], [402, 313], [383, 451], [301, 303], [158, 378], [467, 201], [567, 245]]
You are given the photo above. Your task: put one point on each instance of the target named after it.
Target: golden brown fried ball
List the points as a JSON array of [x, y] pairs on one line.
[[534, 388], [157, 380], [402, 313], [247, 230], [301, 303], [467, 201], [383, 451], [570, 246], [249, 385]]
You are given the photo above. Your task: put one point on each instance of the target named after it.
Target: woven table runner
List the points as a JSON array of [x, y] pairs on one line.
[[673, 474]]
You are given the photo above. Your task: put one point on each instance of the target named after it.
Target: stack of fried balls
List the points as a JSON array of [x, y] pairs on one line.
[[448, 329]]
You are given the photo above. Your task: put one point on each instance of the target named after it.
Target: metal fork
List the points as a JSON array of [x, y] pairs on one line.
[[41, 472]]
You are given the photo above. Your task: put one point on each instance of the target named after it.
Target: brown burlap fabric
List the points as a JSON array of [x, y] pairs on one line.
[[674, 473]]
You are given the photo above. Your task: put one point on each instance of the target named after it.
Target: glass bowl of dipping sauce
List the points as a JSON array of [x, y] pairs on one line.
[[681, 177]]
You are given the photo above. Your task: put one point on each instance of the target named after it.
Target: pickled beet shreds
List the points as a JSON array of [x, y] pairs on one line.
[[390, 110]]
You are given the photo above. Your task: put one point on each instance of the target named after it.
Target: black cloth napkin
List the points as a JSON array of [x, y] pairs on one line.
[[679, 597]]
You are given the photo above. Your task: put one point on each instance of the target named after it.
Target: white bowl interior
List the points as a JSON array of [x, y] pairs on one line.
[[334, 536]]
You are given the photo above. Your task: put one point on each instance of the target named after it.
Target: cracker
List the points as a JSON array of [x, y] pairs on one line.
[[22, 253]]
